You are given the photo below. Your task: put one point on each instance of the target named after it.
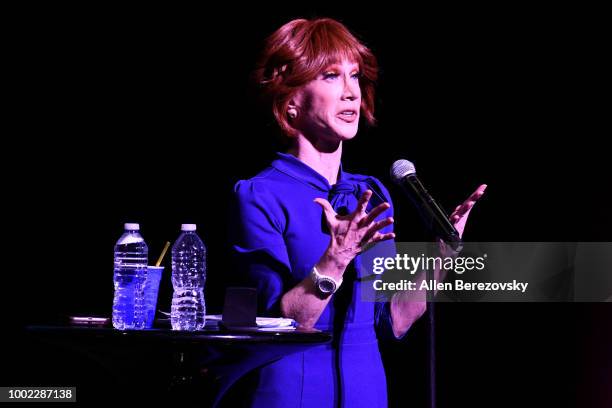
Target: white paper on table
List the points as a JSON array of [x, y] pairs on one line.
[[265, 322]]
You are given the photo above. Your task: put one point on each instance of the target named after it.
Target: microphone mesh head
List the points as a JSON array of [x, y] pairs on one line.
[[400, 169]]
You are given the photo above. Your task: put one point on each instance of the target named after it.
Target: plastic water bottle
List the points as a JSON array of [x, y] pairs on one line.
[[131, 259], [188, 309]]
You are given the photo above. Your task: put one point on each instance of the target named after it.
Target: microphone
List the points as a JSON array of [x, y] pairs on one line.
[[403, 174]]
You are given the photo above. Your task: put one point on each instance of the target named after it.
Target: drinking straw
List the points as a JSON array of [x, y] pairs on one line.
[[159, 261]]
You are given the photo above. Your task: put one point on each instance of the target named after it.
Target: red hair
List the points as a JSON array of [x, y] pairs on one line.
[[299, 51]]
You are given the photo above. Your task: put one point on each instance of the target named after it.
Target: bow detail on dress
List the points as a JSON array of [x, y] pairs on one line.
[[343, 194]]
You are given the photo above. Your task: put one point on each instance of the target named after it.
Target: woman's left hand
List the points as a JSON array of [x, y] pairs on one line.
[[405, 310], [460, 216]]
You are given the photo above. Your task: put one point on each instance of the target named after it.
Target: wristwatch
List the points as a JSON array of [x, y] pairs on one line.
[[325, 284]]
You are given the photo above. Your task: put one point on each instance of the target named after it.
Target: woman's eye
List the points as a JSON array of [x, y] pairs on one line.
[[334, 75], [330, 75]]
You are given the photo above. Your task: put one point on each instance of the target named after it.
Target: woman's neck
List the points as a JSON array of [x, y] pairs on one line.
[[324, 158]]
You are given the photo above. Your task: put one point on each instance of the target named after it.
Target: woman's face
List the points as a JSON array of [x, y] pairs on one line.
[[328, 106]]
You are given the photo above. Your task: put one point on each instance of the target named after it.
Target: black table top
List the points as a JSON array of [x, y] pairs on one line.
[[210, 335]]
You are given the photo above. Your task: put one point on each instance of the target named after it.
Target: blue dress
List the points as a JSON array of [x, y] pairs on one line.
[[279, 234]]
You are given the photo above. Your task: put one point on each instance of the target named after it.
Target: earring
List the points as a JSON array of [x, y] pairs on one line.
[[292, 112]]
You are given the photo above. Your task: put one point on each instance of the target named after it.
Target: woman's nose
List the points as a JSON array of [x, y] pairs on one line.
[[351, 89]]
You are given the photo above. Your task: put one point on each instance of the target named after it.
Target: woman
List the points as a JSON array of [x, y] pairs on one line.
[[303, 221]]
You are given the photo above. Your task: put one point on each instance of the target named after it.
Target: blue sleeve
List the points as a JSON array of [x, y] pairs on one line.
[[382, 308], [260, 258]]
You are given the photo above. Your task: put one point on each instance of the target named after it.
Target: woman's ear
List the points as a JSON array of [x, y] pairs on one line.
[[292, 110], [296, 104]]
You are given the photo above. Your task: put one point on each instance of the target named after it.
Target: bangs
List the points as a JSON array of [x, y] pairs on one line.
[[329, 44]]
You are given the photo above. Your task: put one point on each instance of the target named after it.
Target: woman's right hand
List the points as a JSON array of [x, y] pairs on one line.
[[352, 233]]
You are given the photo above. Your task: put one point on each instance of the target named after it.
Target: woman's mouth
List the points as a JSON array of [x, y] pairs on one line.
[[348, 116]]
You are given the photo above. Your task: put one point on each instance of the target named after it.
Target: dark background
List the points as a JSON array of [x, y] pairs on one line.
[[146, 116]]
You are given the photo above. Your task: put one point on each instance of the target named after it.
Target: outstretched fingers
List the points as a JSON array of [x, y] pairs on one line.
[[475, 196], [376, 238], [372, 215], [363, 202], [330, 214], [468, 204], [375, 227]]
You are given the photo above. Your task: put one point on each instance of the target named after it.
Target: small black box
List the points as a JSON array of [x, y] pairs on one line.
[[240, 307]]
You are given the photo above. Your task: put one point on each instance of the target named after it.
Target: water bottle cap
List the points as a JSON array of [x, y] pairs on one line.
[[188, 227], [130, 226]]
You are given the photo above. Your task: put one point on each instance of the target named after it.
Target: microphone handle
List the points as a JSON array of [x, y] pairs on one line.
[[433, 215]]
